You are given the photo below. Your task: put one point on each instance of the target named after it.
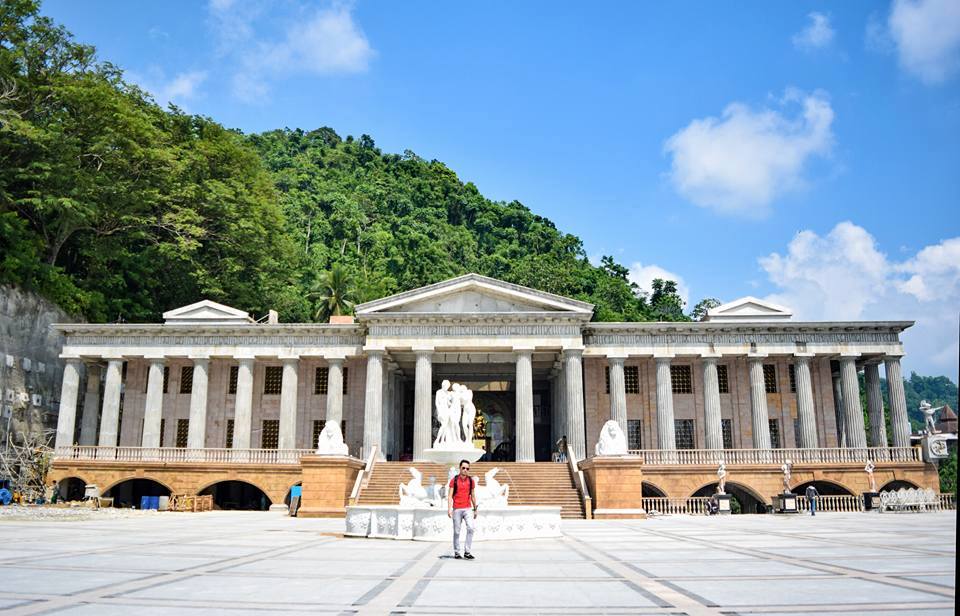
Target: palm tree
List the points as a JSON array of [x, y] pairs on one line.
[[334, 293]]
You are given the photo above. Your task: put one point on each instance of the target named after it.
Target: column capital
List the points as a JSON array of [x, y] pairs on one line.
[[289, 359], [522, 352], [804, 356], [375, 352], [573, 352], [203, 357], [663, 358], [615, 360], [423, 349], [335, 361], [756, 357], [245, 356], [849, 355], [156, 359], [710, 358], [73, 360], [893, 356]]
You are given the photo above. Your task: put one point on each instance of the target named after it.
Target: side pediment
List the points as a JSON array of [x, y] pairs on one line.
[[206, 312], [749, 309], [471, 294]]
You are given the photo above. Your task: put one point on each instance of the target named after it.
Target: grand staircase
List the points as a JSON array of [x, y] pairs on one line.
[[531, 483]]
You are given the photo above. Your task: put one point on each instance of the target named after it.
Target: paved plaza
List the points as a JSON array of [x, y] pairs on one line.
[[264, 563]]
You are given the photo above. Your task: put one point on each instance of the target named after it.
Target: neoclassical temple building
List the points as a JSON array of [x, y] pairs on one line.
[[211, 396]]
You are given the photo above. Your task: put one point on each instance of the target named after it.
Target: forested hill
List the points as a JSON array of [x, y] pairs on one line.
[[117, 209]]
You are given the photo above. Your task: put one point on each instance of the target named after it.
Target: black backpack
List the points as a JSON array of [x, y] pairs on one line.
[[456, 483]]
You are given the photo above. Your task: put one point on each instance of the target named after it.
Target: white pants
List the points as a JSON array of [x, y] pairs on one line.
[[461, 516]]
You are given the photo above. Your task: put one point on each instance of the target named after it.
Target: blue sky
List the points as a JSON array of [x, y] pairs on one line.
[[806, 152]]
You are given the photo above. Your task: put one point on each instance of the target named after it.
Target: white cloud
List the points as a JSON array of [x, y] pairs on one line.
[[741, 162], [817, 35], [844, 276], [926, 34], [644, 275], [179, 89], [323, 42]]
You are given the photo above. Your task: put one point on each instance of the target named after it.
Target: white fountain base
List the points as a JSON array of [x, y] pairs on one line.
[[432, 524]]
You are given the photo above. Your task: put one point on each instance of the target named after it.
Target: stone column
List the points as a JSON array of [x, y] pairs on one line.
[[838, 408], [618, 392], [69, 390], [853, 420], [287, 437], [386, 420], [334, 391], [576, 433], [110, 416], [758, 405], [243, 405], [373, 403], [899, 423], [153, 409], [878, 426], [197, 430], [524, 406], [91, 406], [666, 430], [398, 414], [713, 426], [423, 405], [805, 409]]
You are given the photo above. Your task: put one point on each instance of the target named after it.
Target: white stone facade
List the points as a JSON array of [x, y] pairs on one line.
[[478, 330]]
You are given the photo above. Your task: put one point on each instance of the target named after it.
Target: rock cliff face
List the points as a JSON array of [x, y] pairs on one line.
[[30, 369]]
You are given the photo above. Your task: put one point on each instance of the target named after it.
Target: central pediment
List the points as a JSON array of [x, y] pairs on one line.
[[474, 294]]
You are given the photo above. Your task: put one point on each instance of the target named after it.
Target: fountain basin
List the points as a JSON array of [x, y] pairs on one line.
[[432, 524]]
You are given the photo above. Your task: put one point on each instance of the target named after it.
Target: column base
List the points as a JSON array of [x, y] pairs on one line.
[[784, 503], [327, 483], [616, 486]]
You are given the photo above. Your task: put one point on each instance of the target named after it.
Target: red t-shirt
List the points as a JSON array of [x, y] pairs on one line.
[[461, 498]]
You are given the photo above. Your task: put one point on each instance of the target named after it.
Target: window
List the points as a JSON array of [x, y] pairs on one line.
[[346, 374], [317, 429], [229, 443], [270, 434], [163, 426], [684, 433], [232, 384], [631, 379], [320, 382], [606, 377], [793, 379], [681, 379], [183, 429], [273, 380], [634, 438], [146, 382], [186, 380], [770, 378], [796, 432], [775, 434], [723, 379], [726, 426]]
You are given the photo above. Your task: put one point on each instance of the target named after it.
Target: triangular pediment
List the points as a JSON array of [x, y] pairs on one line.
[[208, 312], [749, 309], [472, 294]]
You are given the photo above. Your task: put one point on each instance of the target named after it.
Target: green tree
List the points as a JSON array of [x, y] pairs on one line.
[[333, 293], [699, 311], [948, 474], [665, 302]]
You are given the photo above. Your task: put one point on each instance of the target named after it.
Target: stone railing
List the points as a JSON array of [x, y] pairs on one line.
[[712, 457], [174, 454], [663, 504], [845, 502], [948, 501]]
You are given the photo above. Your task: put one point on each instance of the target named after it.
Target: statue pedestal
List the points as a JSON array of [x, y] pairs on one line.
[[723, 500], [784, 503], [453, 456], [432, 523], [871, 501], [327, 483], [616, 486]]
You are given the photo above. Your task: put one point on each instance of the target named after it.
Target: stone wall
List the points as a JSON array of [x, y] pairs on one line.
[[30, 368]]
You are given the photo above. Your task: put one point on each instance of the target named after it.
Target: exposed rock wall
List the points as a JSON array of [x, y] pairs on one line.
[[30, 369]]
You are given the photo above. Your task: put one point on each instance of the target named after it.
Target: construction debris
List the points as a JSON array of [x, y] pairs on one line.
[[24, 464]]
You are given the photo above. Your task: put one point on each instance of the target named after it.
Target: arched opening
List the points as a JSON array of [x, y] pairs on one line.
[[743, 499], [898, 484], [648, 490], [71, 488], [286, 499], [824, 488], [237, 495], [129, 494]]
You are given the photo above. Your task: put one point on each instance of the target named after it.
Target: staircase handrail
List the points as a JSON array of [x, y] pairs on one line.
[[367, 469], [581, 483]]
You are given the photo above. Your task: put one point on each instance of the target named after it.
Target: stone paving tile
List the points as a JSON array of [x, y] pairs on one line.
[[266, 563]]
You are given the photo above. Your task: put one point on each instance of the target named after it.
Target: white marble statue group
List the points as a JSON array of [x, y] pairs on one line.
[[929, 416], [456, 413], [330, 442], [414, 494], [612, 442]]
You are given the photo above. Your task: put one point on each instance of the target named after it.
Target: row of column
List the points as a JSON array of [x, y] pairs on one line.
[[846, 391], [153, 407]]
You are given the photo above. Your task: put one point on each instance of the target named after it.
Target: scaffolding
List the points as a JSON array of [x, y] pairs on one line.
[[25, 460]]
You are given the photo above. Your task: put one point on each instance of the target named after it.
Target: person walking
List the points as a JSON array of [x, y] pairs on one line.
[[812, 496], [462, 508]]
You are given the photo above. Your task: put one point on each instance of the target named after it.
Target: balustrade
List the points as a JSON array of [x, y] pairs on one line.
[[696, 505], [842, 502], [174, 454], [832, 455]]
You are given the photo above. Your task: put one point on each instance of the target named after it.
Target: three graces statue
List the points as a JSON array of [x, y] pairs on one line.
[[456, 413]]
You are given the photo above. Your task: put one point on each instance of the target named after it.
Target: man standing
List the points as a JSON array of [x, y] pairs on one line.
[[812, 496], [462, 508]]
